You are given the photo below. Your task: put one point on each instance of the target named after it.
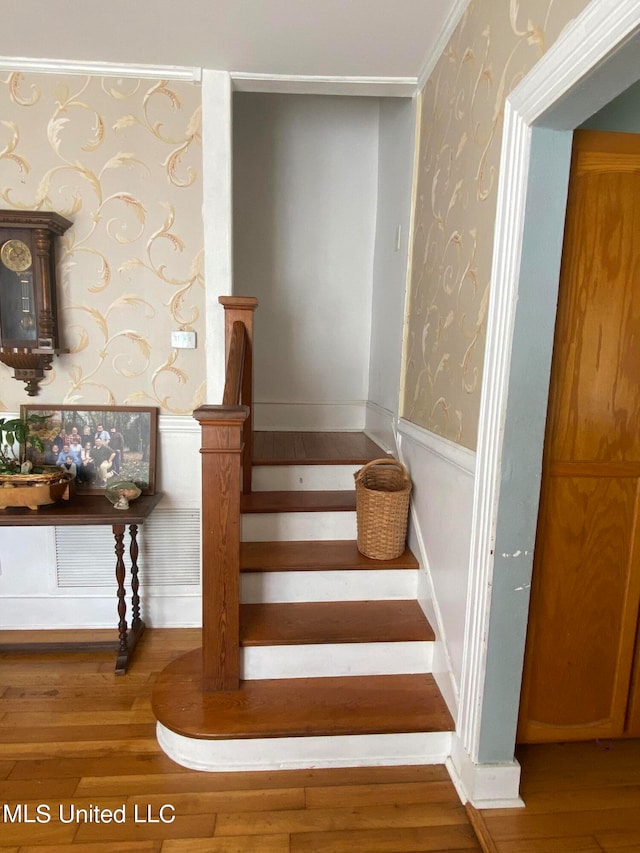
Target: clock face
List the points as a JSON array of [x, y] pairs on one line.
[[16, 255]]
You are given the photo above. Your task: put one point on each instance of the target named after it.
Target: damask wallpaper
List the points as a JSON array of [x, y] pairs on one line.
[[122, 159], [495, 44]]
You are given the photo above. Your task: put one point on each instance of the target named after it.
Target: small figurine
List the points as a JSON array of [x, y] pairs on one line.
[[121, 493]]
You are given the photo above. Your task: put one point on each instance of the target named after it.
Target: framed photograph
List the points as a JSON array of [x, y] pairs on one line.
[[101, 444]]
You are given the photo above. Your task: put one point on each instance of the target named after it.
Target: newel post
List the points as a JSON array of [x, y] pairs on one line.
[[242, 308], [222, 440]]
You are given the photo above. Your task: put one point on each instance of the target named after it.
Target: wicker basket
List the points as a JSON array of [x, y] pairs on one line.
[[383, 489]]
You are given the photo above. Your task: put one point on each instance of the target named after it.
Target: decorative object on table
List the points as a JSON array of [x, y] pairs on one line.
[[23, 433], [104, 444], [21, 482], [34, 490], [383, 490], [28, 304], [121, 494]]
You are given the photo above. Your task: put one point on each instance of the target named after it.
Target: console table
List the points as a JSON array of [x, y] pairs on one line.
[[88, 510]]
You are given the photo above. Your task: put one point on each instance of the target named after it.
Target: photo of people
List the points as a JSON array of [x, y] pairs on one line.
[[99, 445]]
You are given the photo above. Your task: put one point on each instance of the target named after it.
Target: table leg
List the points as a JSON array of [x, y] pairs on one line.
[[127, 640], [135, 584], [123, 644]]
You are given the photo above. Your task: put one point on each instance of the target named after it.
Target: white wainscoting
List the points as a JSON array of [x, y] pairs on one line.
[[442, 474], [381, 427], [37, 592]]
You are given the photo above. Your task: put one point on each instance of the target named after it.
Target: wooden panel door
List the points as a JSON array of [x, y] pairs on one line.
[[586, 579]]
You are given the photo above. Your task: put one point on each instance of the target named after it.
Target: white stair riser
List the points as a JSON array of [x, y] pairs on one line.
[[266, 478], [298, 526], [298, 753], [365, 585], [336, 659]]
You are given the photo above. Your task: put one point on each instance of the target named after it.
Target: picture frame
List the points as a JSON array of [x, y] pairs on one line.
[[129, 432]]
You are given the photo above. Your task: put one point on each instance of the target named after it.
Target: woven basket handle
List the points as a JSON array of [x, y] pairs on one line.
[[386, 460]]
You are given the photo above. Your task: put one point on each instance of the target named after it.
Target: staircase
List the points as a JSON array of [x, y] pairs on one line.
[[336, 652]]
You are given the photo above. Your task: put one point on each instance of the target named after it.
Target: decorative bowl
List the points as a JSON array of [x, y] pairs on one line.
[[34, 490], [121, 493]]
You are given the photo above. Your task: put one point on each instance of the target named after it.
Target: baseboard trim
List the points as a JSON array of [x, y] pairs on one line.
[[485, 786], [380, 426], [167, 609]]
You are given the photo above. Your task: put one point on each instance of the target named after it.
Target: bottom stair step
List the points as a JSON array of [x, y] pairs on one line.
[[297, 707]]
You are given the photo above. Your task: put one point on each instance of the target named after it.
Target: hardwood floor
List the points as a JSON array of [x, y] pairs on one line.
[[579, 797], [74, 736]]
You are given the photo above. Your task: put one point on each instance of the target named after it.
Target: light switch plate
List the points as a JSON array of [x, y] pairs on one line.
[[183, 340]]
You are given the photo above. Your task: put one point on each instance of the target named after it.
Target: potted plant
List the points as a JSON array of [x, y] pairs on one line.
[[21, 483]]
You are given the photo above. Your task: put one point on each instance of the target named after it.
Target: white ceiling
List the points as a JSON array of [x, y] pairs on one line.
[[352, 38]]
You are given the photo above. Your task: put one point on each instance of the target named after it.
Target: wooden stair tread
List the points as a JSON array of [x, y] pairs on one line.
[[297, 707], [303, 623], [314, 448], [314, 555], [299, 501]]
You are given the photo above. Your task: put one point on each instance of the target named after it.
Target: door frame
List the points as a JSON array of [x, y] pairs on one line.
[[592, 62]]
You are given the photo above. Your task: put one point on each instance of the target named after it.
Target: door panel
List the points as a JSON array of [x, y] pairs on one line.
[[588, 522], [586, 582]]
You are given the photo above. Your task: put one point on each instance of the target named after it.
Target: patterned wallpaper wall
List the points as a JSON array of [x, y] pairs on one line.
[[120, 158], [494, 46]]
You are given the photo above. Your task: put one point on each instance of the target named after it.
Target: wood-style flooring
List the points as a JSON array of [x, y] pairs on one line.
[[72, 734], [578, 797]]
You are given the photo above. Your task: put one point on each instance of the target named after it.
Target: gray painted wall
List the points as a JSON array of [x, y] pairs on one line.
[[395, 168], [621, 115], [523, 439], [305, 183]]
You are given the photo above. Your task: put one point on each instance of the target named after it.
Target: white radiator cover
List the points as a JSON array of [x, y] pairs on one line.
[[169, 553]]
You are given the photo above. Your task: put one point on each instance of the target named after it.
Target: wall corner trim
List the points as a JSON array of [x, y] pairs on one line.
[[454, 17]]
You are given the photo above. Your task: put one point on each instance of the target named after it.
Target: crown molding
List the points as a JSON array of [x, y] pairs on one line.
[[100, 69], [398, 87]]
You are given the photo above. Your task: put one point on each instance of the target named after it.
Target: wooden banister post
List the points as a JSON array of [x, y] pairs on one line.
[[242, 308], [222, 440]]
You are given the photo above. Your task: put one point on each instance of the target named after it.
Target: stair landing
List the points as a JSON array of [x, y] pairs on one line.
[[314, 448]]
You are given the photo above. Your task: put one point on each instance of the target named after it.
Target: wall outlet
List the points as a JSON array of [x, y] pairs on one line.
[[183, 340]]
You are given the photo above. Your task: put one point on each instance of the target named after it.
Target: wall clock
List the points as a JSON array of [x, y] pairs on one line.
[[28, 304]]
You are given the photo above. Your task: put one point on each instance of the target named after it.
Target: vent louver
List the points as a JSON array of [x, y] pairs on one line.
[[169, 543]]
